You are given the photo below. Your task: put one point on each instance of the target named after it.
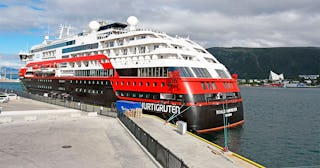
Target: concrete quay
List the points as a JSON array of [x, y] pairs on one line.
[[38, 134], [193, 150], [46, 135]]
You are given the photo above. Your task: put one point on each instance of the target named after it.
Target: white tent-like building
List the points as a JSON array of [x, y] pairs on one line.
[[275, 77]]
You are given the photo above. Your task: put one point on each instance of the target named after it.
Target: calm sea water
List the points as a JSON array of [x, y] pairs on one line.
[[12, 86], [282, 127]]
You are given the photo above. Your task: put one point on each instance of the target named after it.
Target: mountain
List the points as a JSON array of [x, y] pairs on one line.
[[9, 71], [258, 62]]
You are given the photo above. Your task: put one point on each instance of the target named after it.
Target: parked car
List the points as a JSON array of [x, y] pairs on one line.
[[12, 96], [4, 98]]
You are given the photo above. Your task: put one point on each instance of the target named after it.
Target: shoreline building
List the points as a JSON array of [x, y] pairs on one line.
[[275, 77]]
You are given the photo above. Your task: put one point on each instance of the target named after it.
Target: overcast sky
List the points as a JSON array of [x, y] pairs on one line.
[[222, 23]]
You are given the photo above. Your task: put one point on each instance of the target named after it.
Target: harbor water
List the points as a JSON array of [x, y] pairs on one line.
[[282, 126], [11, 85]]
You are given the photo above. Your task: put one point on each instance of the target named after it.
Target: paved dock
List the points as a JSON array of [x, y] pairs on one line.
[[37, 134], [56, 139], [188, 147]]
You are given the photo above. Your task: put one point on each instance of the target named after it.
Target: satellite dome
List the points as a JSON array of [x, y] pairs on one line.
[[132, 21], [94, 25]]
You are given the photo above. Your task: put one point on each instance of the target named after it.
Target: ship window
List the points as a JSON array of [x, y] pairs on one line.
[[125, 51], [228, 85], [148, 95], [134, 94], [121, 42], [89, 82], [111, 44], [98, 82], [140, 95], [156, 96], [142, 49], [201, 72], [155, 47], [209, 86], [128, 94], [143, 37], [128, 83], [214, 87], [141, 83], [155, 84], [203, 86], [162, 84], [222, 73], [134, 83], [122, 83], [147, 84], [131, 39]]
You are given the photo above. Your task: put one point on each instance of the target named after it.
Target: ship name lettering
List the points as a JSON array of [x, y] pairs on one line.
[[165, 108]]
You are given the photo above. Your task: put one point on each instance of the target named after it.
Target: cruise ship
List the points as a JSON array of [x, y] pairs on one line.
[[171, 76]]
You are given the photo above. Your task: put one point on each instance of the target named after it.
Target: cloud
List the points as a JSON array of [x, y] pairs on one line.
[[247, 23], [10, 60]]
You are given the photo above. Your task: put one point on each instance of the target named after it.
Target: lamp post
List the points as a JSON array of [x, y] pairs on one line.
[[225, 114], [225, 122]]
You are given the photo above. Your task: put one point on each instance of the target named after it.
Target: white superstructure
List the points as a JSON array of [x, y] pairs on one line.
[[126, 47]]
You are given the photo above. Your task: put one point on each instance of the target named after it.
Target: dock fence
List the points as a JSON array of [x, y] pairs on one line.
[[164, 156], [102, 110]]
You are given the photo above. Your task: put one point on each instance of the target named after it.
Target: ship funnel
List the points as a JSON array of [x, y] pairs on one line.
[[132, 22]]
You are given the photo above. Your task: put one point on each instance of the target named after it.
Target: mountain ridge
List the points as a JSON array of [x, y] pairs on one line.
[[258, 62]]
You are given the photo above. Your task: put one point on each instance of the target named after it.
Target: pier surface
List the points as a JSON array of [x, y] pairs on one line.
[[53, 138], [193, 150], [38, 134]]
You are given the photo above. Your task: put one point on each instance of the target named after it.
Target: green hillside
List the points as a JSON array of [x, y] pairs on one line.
[[257, 62]]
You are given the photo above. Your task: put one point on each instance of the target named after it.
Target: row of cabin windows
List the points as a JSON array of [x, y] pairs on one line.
[[153, 72], [154, 84], [44, 87], [228, 85], [141, 95], [212, 85], [164, 72], [93, 82], [54, 46], [90, 91], [94, 72], [121, 41], [44, 80], [208, 86], [81, 47]]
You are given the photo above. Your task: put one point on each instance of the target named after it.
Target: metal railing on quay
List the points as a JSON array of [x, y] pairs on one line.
[[163, 155], [102, 110]]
